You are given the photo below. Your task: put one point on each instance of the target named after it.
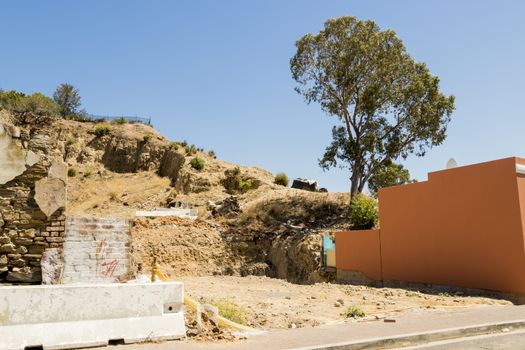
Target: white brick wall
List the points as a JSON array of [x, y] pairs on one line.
[[97, 250]]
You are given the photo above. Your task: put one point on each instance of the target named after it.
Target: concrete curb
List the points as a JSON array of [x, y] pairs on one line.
[[413, 339]]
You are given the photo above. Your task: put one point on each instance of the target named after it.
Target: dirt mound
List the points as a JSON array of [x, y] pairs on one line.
[[185, 248], [274, 231]]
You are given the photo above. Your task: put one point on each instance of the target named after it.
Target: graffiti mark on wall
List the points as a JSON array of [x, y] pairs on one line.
[[100, 254], [109, 268]]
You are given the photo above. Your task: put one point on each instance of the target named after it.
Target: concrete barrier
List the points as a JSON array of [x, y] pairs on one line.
[[73, 316]]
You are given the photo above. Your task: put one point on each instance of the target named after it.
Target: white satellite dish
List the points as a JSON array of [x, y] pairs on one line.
[[452, 163]]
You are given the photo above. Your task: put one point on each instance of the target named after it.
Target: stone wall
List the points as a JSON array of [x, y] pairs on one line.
[[32, 203], [97, 250]]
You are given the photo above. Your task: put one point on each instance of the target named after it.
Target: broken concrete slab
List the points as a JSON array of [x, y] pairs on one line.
[[12, 156], [89, 315], [161, 212], [50, 194], [58, 170], [52, 264]]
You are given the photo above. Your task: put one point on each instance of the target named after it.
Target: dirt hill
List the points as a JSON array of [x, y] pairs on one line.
[[116, 169]]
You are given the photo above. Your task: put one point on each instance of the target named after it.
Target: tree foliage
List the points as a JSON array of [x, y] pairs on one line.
[[36, 108], [390, 175], [388, 105], [67, 98]]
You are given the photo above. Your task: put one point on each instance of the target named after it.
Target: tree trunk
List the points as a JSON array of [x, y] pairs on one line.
[[354, 184]]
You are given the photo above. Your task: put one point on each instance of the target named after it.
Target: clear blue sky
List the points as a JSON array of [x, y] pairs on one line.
[[216, 73]]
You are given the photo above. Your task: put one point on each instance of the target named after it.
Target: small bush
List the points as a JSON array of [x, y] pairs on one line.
[[120, 121], [191, 150], [363, 212], [246, 185], [234, 182], [184, 143], [231, 311], [70, 142], [88, 173], [197, 163], [281, 179], [175, 145], [71, 172], [113, 196], [147, 137], [354, 312], [102, 130], [211, 153]]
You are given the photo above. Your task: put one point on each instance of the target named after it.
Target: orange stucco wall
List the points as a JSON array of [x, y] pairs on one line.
[[359, 251], [462, 227]]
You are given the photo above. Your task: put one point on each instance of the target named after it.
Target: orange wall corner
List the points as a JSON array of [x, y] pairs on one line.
[[359, 251]]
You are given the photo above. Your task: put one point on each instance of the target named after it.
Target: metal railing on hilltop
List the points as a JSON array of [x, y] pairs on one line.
[[110, 118]]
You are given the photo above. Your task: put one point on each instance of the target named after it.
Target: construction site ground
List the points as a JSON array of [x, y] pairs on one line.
[[270, 303]]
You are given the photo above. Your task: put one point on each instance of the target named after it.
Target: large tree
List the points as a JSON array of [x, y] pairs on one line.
[[67, 98], [388, 105]]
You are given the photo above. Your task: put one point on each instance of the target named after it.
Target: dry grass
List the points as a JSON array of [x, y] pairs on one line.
[[116, 195], [231, 311]]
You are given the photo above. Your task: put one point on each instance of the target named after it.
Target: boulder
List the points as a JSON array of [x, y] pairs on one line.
[[305, 184]]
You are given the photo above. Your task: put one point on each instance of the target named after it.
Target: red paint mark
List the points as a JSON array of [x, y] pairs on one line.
[[109, 268]]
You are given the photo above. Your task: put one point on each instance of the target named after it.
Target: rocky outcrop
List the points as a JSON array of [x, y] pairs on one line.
[[123, 155], [305, 184], [228, 207], [14, 158], [171, 165]]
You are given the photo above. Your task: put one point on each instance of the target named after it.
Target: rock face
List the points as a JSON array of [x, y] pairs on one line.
[[171, 164], [32, 203], [12, 154], [305, 184], [227, 207], [126, 156]]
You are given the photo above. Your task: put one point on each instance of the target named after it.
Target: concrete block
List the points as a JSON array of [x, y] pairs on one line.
[[74, 316]]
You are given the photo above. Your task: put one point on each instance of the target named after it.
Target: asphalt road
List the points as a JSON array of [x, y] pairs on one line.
[[501, 341]]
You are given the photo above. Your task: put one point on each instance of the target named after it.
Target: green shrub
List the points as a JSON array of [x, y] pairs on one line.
[[191, 150], [363, 212], [102, 130], [232, 180], [246, 185], [147, 137], [184, 143], [281, 179], [88, 173], [120, 121], [211, 153], [175, 145], [36, 103], [354, 312], [71, 172], [70, 142], [235, 182], [197, 163], [231, 311]]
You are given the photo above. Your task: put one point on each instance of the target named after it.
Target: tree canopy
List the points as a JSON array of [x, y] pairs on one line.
[[390, 175], [388, 105], [20, 103], [67, 98]]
